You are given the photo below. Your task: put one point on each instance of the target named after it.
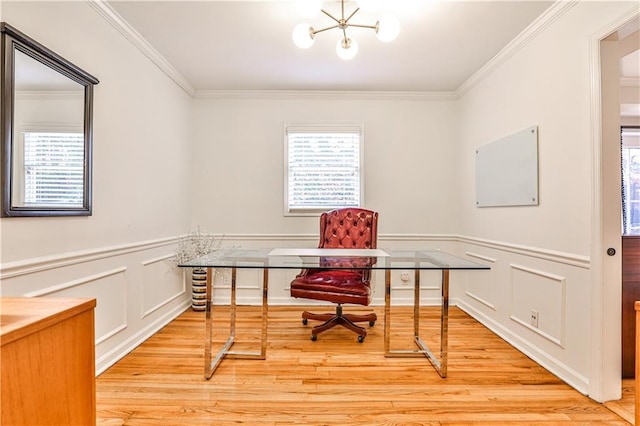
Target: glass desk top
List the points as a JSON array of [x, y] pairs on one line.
[[296, 258], [269, 259]]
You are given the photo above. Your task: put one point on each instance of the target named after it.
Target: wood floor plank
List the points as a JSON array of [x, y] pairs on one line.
[[336, 380], [625, 407]]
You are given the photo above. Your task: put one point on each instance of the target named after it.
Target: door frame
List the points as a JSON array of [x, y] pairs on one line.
[[606, 289]]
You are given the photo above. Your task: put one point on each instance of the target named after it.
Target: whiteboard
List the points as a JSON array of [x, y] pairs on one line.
[[507, 170]]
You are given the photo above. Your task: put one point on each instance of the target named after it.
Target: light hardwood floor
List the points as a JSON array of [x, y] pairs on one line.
[[336, 380], [625, 407]]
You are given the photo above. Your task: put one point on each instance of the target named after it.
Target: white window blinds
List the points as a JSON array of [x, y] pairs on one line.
[[53, 168], [323, 169]]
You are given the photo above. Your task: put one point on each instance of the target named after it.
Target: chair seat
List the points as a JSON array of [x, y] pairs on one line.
[[337, 286]]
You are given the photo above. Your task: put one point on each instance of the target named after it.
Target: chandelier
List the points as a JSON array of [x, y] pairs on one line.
[[387, 27]]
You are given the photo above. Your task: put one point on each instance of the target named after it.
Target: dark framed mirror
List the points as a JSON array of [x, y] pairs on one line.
[[46, 130]]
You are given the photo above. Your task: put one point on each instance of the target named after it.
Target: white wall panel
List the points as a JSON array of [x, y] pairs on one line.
[[109, 288], [409, 162], [545, 293], [117, 279], [142, 138], [162, 282], [479, 286], [522, 279], [547, 82]]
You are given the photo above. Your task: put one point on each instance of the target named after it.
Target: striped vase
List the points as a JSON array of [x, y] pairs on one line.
[[198, 289]]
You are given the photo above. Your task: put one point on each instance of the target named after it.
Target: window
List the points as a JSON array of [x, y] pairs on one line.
[[323, 167], [53, 172], [630, 137]]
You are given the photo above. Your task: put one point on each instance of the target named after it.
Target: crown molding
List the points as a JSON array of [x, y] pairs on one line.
[[113, 18], [322, 94], [549, 16]]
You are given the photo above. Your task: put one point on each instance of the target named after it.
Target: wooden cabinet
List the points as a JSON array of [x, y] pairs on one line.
[[47, 361], [630, 294]]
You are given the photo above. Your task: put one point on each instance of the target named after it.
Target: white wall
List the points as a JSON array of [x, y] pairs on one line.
[[142, 149], [541, 255], [409, 161], [410, 173]]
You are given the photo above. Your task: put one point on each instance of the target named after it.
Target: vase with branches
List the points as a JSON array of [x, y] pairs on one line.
[[191, 246]]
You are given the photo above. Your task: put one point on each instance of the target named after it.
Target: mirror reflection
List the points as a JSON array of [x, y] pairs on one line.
[[48, 140], [46, 130]]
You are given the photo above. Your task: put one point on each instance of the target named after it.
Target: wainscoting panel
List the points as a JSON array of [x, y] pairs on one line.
[[542, 295], [403, 287], [479, 287], [109, 288], [138, 291], [556, 286], [136, 288], [161, 284]]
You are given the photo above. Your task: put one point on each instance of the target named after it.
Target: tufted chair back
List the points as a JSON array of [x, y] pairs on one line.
[[349, 228]]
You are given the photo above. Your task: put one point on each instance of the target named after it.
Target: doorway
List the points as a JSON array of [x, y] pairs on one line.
[[607, 47]]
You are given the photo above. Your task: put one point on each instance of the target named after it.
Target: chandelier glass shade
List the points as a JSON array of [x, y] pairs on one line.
[[386, 28]]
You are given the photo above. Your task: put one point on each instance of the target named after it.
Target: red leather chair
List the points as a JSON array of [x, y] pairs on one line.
[[341, 228]]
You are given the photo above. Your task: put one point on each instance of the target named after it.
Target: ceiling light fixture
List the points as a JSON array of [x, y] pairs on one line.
[[387, 27]]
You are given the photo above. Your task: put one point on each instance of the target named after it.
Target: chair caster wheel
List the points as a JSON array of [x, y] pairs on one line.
[[360, 339], [314, 337], [304, 321], [372, 323]]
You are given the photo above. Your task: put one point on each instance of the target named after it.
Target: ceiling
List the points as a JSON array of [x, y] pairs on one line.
[[247, 45]]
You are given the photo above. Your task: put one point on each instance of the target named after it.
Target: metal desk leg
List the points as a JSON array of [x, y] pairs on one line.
[[439, 363], [416, 305], [208, 328], [444, 324], [209, 365], [387, 312]]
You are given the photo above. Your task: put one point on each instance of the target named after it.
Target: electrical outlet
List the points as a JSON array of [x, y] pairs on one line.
[[533, 319], [405, 277]]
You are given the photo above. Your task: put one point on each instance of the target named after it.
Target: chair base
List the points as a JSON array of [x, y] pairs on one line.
[[345, 320]]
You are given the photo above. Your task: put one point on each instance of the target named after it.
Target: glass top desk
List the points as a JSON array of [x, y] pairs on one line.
[[305, 258]]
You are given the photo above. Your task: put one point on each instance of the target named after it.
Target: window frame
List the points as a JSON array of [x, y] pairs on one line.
[[321, 128], [627, 230]]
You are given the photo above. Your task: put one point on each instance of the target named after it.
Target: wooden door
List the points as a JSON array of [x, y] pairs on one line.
[[630, 293]]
